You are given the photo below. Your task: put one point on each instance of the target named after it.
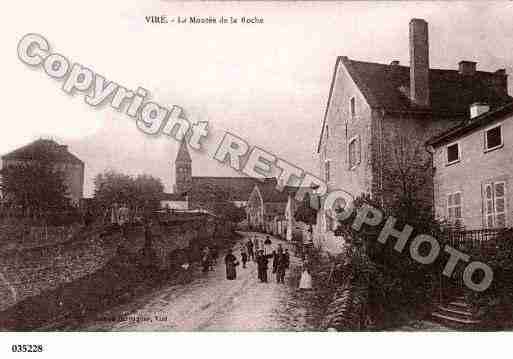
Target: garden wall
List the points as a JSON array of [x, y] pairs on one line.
[[28, 272]]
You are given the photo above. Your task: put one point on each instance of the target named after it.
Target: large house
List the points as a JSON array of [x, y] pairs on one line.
[[473, 170], [61, 158], [379, 116]]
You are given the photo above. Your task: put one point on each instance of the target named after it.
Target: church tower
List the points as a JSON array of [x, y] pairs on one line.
[[183, 169]]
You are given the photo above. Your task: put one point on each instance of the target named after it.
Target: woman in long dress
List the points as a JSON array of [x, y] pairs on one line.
[[231, 262], [306, 277]]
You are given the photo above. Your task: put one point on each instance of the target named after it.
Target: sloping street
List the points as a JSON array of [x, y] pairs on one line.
[[212, 303]]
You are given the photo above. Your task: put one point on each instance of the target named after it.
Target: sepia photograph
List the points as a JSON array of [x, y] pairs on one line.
[[333, 169]]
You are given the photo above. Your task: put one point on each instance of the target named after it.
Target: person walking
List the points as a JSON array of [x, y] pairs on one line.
[[231, 263], [249, 246], [281, 263], [243, 257], [275, 262], [256, 241], [267, 245], [214, 255], [287, 258], [262, 263], [306, 279], [206, 260]]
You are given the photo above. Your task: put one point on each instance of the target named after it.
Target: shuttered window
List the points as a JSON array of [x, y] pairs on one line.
[[454, 207], [495, 205]]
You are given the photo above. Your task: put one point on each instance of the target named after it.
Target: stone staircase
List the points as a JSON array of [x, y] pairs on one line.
[[456, 314]]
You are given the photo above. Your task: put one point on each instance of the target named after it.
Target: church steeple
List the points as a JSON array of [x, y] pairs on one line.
[[183, 169]]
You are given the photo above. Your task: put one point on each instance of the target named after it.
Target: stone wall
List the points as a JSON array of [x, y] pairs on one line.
[[28, 272]]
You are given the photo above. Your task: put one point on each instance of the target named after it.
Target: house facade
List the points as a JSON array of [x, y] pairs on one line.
[[273, 211], [473, 170], [59, 156], [379, 116]]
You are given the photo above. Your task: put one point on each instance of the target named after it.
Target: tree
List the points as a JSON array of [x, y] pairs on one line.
[[215, 199], [138, 193], [407, 176], [35, 187]]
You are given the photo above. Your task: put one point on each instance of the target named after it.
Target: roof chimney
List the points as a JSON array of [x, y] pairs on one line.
[[478, 108], [419, 62], [467, 67], [394, 63]]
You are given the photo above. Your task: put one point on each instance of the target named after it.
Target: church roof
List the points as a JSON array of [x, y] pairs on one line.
[[238, 188], [43, 150]]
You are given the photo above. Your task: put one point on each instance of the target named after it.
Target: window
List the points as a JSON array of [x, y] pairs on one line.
[[493, 138], [453, 153], [454, 207], [495, 204], [353, 107], [327, 170], [354, 152]]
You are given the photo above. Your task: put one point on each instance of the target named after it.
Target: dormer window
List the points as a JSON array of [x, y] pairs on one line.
[[453, 153], [493, 138]]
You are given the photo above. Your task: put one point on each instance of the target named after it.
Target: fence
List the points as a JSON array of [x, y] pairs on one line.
[[479, 241]]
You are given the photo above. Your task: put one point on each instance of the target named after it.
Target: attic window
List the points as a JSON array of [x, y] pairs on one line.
[[353, 107], [453, 153], [493, 138]]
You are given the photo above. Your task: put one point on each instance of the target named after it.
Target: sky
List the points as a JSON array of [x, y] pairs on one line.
[[268, 83]]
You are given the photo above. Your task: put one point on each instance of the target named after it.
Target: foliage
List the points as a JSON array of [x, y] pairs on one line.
[[215, 199], [395, 284], [306, 214], [138, 193], [35, 187]]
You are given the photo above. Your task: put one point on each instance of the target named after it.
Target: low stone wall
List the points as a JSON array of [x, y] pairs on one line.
[[29, 272]]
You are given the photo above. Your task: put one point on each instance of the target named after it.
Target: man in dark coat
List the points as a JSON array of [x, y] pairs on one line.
[[262, 262], [280, 264], [251, 254], [231, 262]]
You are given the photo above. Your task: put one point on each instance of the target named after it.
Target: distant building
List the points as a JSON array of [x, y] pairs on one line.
[[473, 170], [63, 160], [238, 189], [174, 201], [266, 203]]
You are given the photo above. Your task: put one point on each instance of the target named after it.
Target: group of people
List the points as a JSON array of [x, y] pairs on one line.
[[261, 253], [209, 258]]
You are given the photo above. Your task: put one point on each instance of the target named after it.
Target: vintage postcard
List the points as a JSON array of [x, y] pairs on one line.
[[331, 166]]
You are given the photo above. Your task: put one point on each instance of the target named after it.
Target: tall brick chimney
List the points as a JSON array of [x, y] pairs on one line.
[[419, 62]]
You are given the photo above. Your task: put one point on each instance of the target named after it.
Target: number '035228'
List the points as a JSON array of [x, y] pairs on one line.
[[27, 348]]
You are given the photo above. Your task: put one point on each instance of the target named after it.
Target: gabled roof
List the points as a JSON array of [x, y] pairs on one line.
[[270, 193], [472, 124], [238, 188], [451, 93], [43, 150]]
